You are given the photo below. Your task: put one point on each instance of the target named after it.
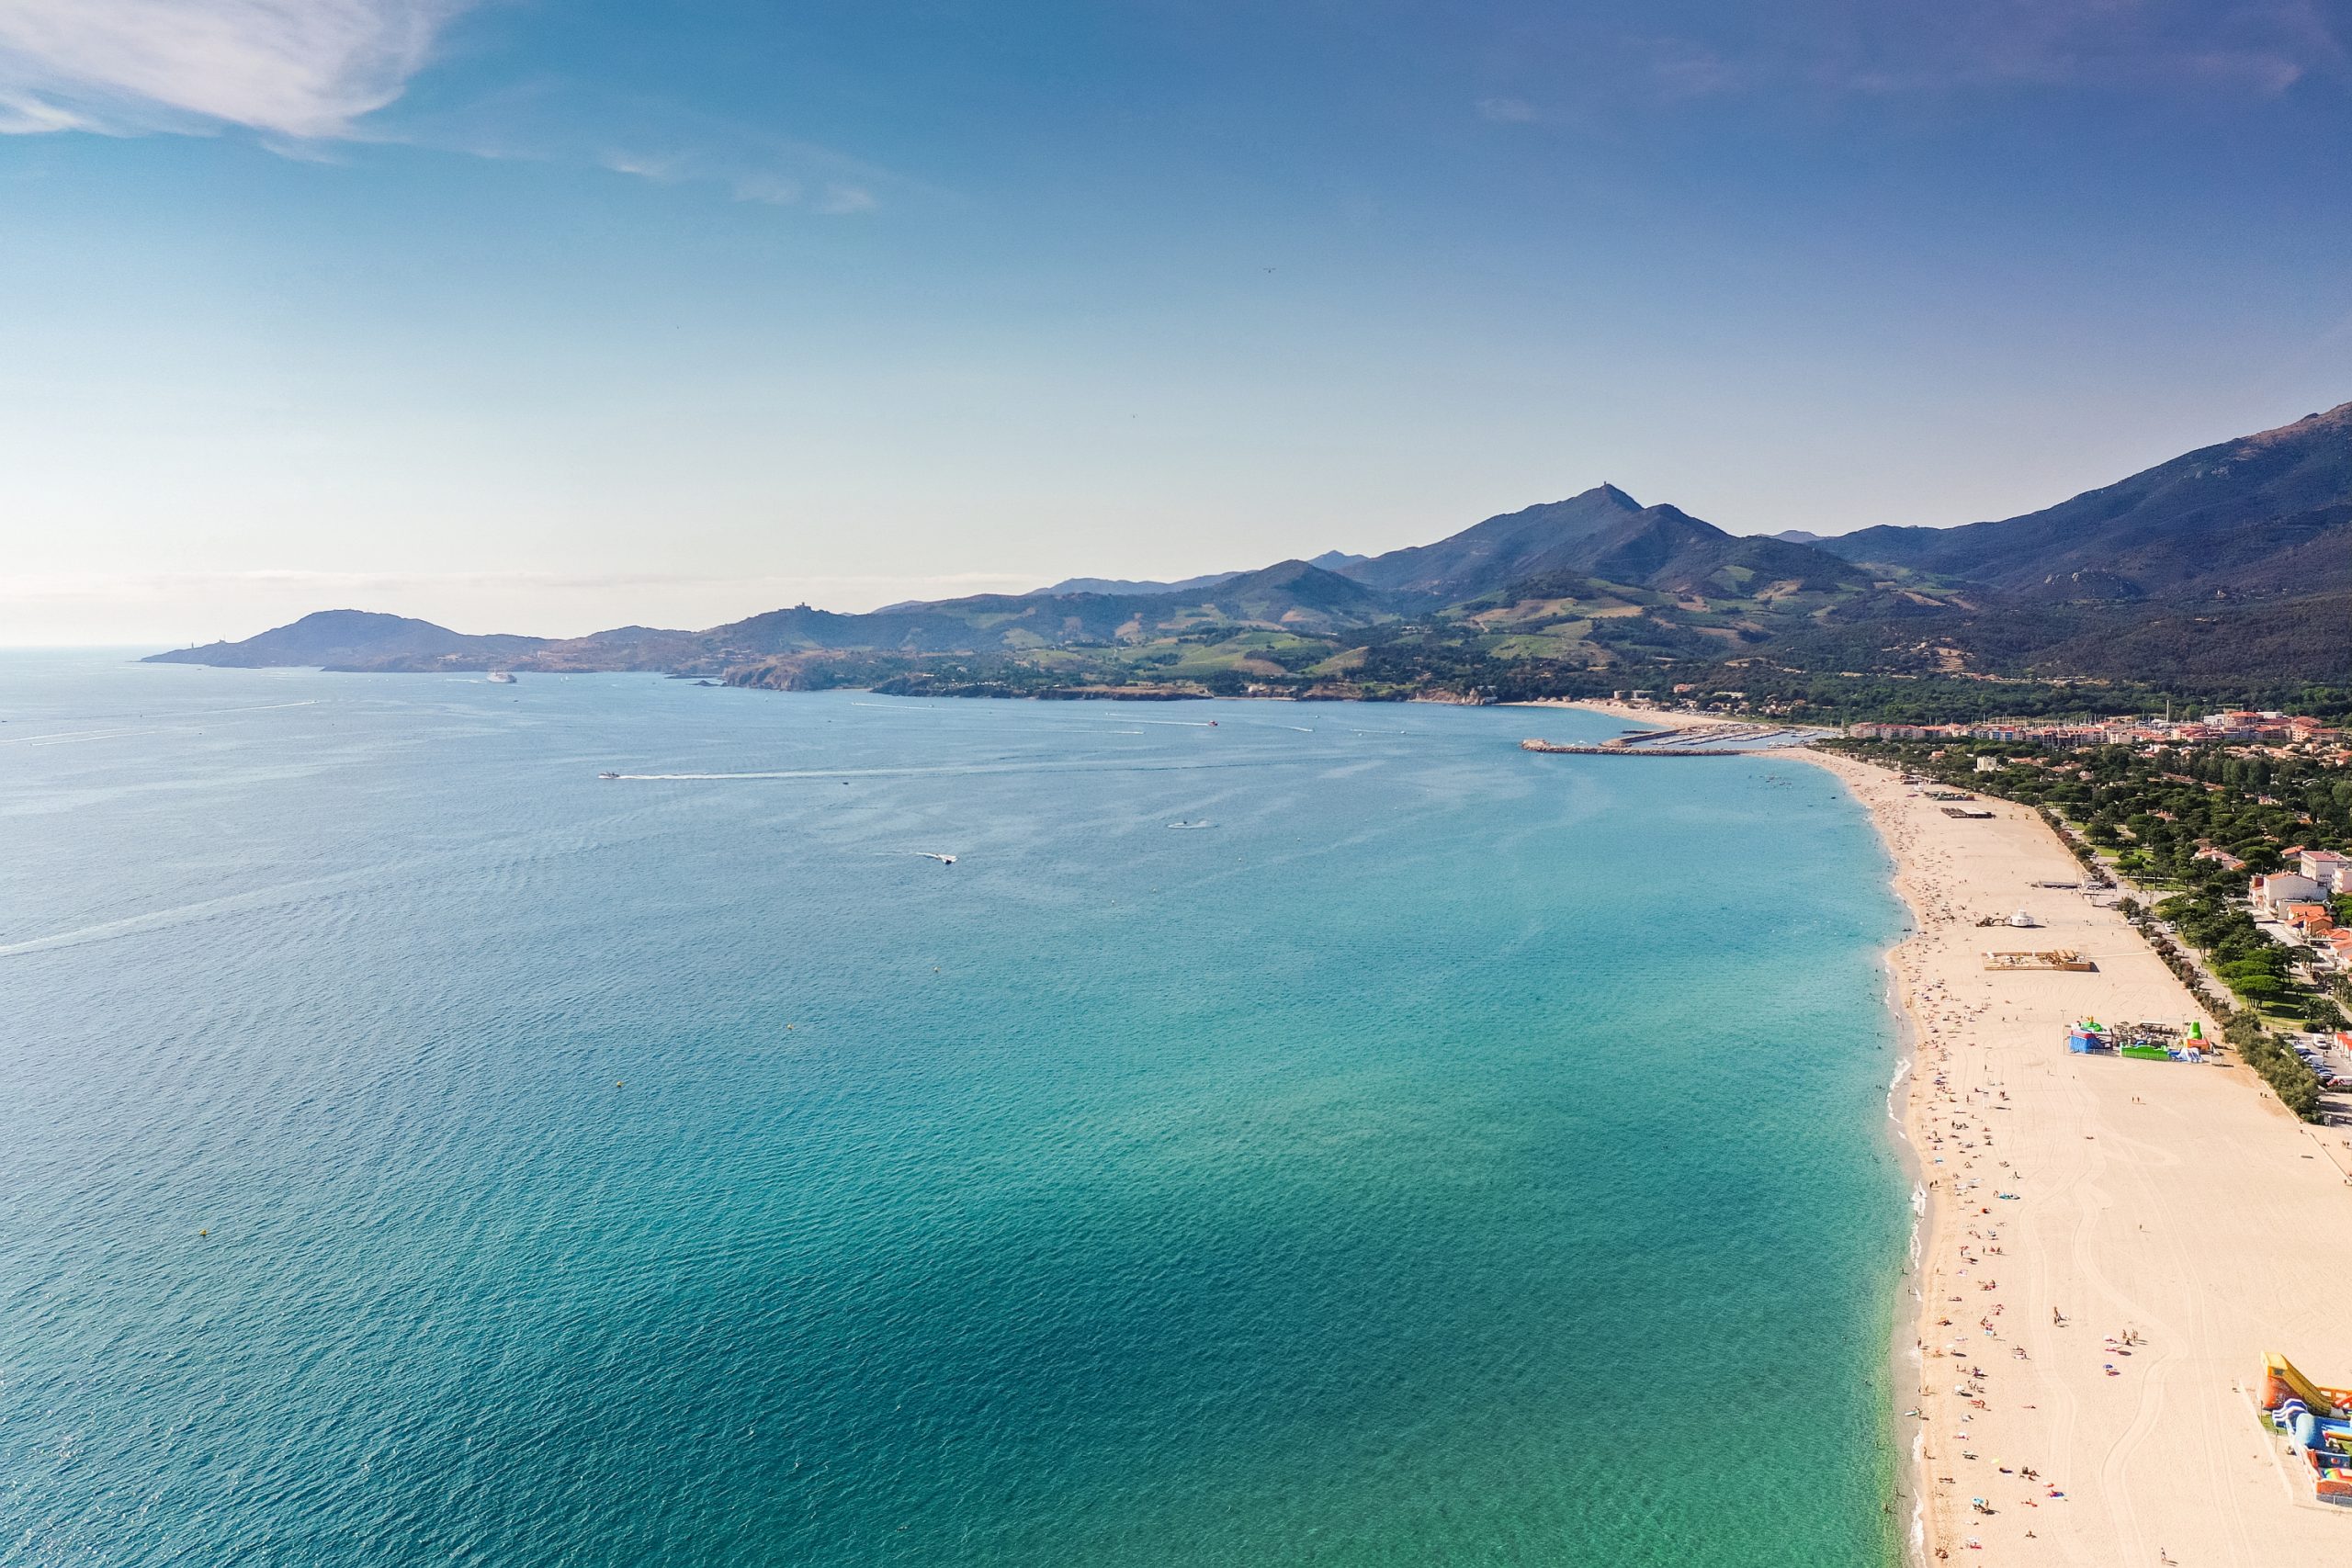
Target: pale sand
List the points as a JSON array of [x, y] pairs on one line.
[[2182, 1204]]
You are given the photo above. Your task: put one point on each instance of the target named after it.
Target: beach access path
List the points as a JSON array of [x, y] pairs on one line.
[[2176, 1218]]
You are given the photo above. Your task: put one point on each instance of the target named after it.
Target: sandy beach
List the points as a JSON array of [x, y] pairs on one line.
[[2109, 1246]]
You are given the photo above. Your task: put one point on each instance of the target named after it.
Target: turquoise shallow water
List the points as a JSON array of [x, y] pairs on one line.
[[1451, 1155]]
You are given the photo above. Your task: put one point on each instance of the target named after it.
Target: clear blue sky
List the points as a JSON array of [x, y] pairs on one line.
[[546, 316]]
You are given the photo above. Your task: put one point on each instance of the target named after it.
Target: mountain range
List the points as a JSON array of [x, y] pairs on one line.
[[1126, 588], [2257, 516], [2232, 563]]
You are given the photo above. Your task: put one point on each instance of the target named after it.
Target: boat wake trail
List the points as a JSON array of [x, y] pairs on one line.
[[176, 722], [253, 899], [1119, 765]]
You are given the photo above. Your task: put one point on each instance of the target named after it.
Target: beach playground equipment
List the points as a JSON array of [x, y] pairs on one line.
[[2141, 1041], [2317, 1424]]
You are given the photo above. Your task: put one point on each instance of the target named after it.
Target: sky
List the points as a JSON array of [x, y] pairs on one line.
[[551, 315]]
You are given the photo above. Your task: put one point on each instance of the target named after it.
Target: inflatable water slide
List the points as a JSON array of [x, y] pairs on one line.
[[2317, 1423]]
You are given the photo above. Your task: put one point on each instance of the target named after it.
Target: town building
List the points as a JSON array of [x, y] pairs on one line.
[[2273, 893], [2332, 871]]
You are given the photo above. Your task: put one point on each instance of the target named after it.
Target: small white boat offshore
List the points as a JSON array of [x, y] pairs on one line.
[[935, 854], [501, 677], [1204, 823], [608, 775]]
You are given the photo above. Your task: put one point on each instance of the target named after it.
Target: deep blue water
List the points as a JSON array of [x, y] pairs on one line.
[[414, 1150]]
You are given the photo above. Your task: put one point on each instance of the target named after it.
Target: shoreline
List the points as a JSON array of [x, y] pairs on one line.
[[1909, 1328], [2103, 1248], [1906, 1316], [2148, 1303], [1905, 1325], [1902, 1362]]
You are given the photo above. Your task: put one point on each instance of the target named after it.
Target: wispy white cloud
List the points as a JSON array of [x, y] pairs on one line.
[[1880, 48], [306, 73], [749, 166], [1860, 50], [769, 185], [842, 200], [775, 189], [29, 115], [303, 69], [1683, 71], [643, 167]]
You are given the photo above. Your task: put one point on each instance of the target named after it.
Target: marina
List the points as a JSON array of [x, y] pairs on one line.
[[1696, 741]]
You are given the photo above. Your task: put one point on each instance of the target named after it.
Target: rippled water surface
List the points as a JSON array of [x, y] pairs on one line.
[[414, 1150]]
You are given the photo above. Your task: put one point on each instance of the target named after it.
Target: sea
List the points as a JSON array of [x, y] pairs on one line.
[[1286, 1133]]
